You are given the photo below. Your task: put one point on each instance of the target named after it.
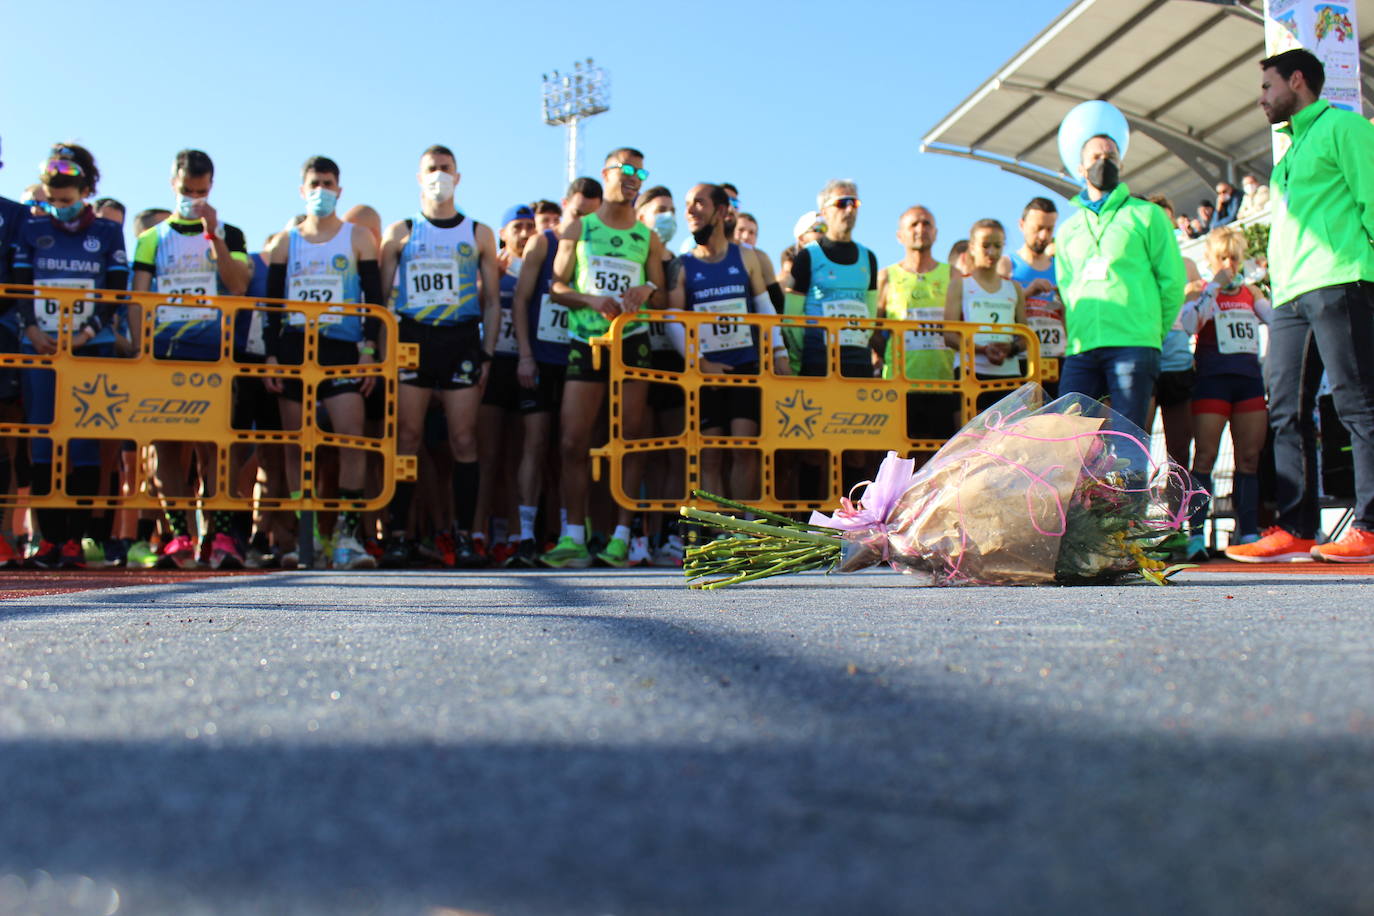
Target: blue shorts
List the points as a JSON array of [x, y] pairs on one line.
[[1228, 394], [169, 346]]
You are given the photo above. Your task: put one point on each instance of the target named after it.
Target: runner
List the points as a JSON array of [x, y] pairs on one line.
[[447, 294], [834, 277], [1229, 386], [914, 289], [985, 297], [13, 215], [505, 397], [68, 247], [541, 329], [717, 278], [1033, 268], [547, 215], [189, 255], [607, 264], [325, 259]]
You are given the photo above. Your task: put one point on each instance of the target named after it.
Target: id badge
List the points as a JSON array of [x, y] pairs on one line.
[[1095, 269]]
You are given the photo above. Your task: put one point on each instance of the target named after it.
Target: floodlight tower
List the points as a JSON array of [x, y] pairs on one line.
[[570, 98]]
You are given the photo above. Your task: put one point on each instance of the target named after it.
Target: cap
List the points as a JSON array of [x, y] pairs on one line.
[[809, 220], [519, 211]]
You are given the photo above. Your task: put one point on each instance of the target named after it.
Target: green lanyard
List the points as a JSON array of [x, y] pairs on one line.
[[1285, 162]]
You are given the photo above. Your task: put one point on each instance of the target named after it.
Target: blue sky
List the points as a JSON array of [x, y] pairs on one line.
[[775, 98]]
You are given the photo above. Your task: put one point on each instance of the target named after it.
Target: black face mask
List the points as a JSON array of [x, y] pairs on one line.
[[1104, 175], [702, 234]]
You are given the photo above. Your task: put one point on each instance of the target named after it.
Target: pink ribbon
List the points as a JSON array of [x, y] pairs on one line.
[[879, 497]]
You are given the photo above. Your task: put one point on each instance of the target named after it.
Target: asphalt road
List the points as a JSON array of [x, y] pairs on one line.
[[611, 743]]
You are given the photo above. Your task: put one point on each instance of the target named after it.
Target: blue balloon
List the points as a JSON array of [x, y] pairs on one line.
[[1085, 121]]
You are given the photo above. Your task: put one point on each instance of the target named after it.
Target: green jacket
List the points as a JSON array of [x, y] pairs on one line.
[[1119, 273], [1323, 203]]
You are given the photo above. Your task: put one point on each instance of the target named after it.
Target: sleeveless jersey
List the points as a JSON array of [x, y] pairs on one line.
[[185, 267], [609, 261], [437, 279], [1229, 343], [997, 307], [721, 287], [507, 344], [1044, 311], [249, 326], [548, 320], [836, 290], [71, 260], [919, 297], [324, 272]]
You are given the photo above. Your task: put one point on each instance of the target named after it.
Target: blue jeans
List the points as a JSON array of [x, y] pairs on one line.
[[1331, 328], [1127, 374]]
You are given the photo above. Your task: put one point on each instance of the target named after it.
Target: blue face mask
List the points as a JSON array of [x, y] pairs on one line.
[[320, 202], [665, 224], [65, 214]]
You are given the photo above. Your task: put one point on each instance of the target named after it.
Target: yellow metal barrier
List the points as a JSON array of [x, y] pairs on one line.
[[140, 399], [833, 413]]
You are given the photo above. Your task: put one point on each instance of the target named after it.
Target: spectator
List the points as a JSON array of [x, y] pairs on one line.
[[1256, 200], [1228, 203], [1122, 279], [1206, 210], [1321, 265]]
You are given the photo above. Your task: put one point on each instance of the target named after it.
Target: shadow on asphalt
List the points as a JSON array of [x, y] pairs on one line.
[[891, 799]]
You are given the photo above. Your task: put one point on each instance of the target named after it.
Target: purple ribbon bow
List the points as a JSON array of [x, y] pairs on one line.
[[879, 496]]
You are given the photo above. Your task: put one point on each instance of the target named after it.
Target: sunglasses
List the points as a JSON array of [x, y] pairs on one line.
[[627, 169], [734, 202], [844, 203], [61, 167]]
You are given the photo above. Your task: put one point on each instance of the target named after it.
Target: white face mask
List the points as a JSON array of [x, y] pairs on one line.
[[188, 207], [439, 186]]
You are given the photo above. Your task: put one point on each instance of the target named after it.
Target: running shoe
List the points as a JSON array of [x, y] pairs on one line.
[[639, 551], [1197, 549], [349, 554], [141, 555], [1356, 546], [1277, 546], [224, 553], [617, 553], [1247, 539], [400, 553], [567, 554], [447, 547], [500, 553], [47, 556], [670, 553], [373, 548], [73, 556], [291, 559], [116, 552], [179, 553], [466, 553], [92, 553], [253, 558], [8, 556], [526, 556]]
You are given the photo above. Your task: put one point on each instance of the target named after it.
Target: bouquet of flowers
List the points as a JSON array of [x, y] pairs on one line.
[[1027, 493]]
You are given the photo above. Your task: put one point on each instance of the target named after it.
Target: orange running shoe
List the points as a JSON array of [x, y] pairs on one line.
[[1277, 546], [1357, 546]]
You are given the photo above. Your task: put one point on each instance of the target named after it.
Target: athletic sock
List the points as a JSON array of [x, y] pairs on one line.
[[622, 532], [527, 516], [577, 533], [1197, 522], [349, 519], [82, 481], [466, 478], [1245, 497], [562, 519], [178, 522], [52, 523], [400, 507]]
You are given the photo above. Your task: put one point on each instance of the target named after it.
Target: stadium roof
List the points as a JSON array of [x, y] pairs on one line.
[[1182, 71]]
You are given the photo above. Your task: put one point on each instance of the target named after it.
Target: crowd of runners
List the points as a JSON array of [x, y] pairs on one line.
[[506, 401]]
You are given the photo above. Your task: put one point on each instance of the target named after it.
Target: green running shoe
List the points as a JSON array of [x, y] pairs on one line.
[[93, 552], [617, 553], [567, 554], [142, 555]]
